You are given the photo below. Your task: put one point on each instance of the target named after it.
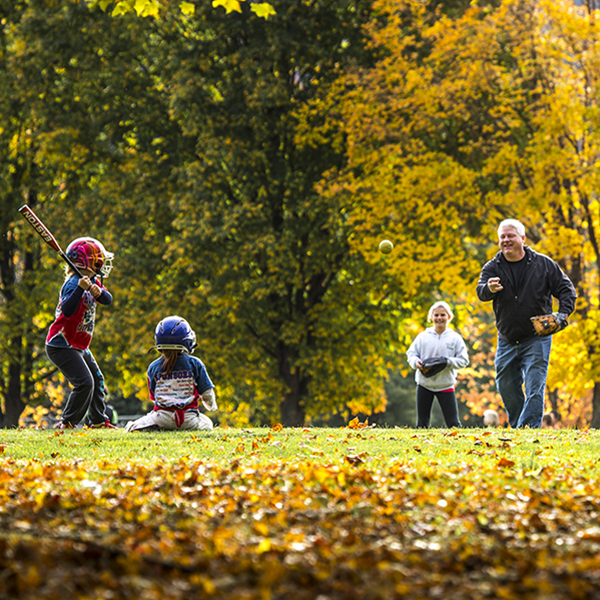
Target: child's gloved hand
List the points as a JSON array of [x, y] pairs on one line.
[[85, 282], [209, 400], [95, 290]]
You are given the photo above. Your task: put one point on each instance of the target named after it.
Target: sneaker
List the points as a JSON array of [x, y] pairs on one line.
[[107, 424], [63, 425]]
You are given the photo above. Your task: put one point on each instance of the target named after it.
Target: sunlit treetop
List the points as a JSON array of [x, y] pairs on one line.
[[153, 8]]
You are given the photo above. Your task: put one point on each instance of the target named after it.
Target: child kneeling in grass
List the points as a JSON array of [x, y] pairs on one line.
[[176, 381]]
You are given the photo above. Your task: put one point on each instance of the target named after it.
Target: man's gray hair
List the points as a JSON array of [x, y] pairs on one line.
[[513, 223]]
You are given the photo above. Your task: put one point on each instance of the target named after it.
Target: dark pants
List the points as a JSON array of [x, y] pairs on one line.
[[82, 372], [447, 402]]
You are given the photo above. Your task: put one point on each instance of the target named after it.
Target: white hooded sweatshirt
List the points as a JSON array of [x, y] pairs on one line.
[[429, 344]]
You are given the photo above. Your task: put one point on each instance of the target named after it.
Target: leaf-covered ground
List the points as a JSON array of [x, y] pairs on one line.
[[345, 514]]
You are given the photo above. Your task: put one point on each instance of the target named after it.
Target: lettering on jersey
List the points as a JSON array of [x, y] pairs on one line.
[[175, 375], [89, 315], [175, 389]]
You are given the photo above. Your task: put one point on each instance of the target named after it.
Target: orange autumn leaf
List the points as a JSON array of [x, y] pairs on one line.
[[356, 424], [353, 459], [505, 463]]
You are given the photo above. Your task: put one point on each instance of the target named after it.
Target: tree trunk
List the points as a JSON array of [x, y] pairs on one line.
[[595, 424], [13, 404], [553, 398], [292, 411], [19, 359]]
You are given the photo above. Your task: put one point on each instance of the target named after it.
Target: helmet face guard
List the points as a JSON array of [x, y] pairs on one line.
[[174, 333], [89, 253]]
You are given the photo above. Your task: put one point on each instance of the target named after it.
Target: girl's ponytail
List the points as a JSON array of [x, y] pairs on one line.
[[169, 359]]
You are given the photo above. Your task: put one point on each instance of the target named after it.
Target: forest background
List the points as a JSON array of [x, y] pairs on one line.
[[243, 168]]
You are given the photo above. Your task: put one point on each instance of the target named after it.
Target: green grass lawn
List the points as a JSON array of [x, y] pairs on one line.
[[373, 446], [300, 513]]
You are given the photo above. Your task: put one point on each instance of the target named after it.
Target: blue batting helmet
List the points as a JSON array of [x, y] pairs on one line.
[[174, 333]]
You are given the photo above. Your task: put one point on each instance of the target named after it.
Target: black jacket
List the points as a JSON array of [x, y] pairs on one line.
[[513, 308]]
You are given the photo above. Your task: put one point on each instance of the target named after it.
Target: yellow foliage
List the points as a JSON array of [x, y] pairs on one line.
[[262, 9], [54, 392], [228, 5], [187, 8], [465, 121], [151, 8]]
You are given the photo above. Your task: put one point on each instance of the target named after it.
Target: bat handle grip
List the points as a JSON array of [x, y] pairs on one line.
[[70, 263]]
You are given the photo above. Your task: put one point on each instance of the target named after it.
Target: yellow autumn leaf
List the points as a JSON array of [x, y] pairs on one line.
[[187, 8], [262, 9], [320, 473], [261, 528], [120, 9], [228, 5], [146, 8], [264, 546]]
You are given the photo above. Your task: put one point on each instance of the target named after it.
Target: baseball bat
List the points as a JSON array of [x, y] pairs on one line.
[[45, 234]]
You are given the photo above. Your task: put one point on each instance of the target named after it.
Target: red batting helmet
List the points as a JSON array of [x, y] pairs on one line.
[[89, 253]]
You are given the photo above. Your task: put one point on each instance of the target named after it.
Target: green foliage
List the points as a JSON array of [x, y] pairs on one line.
[[401, 407], [244, 170], [175, 143], [24, 307], [72, 79], [156, 8], [469, 117], [258, 259]]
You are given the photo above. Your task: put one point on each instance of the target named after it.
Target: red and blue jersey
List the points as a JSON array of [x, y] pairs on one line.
[[75, 315], [182, 386]]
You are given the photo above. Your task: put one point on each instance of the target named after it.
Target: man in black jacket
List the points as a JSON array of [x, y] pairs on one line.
[[521, 283]]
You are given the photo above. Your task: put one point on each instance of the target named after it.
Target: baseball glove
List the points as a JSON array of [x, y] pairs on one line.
[[549, 324], [432, 366]]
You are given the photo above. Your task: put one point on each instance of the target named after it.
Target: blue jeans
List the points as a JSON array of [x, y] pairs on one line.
[[525, 362]]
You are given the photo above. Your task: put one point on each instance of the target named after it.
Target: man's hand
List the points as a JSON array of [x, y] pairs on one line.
[[494, 284]]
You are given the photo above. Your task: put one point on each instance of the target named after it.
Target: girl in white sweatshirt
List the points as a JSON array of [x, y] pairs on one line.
[[438, 340]]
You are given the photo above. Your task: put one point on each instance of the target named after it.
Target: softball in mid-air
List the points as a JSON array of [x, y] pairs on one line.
[[385, 246]]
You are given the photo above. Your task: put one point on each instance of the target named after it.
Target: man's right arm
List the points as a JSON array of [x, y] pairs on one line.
[[484, 293]]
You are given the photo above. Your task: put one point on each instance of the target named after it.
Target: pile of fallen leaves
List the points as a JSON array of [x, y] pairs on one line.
[[305, 529]]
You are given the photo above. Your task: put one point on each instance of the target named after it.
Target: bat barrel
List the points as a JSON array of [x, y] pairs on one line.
[[43, 232], [41, 229]]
